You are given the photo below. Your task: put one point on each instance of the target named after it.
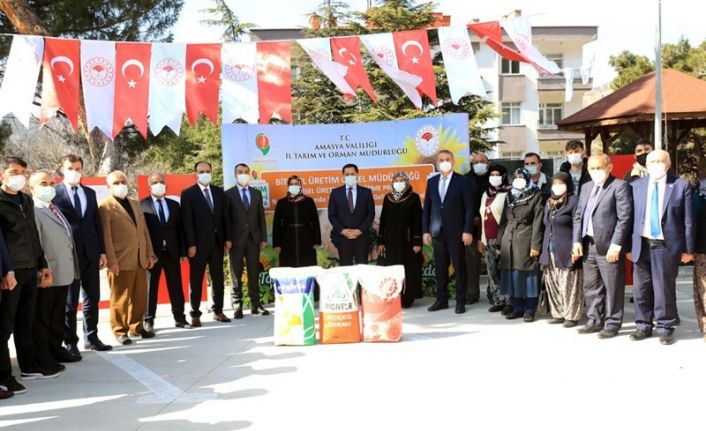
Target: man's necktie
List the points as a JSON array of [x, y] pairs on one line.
[[246, 201], [77, 202], [207, 195], [54, 211], [655, 228], [588, 212], [162, 217], [351, 206], [442, 195]]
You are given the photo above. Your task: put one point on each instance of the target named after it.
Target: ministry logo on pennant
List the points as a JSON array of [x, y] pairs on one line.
[[383, 56], [239, 72], [427, 140], [169, 72], [98, 71], [457, 48]]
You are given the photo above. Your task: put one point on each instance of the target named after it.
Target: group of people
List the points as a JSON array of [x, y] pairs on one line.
[[565, 237]]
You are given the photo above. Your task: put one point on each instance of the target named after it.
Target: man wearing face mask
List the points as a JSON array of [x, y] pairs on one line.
[[351, 211], [245, 215], [129, 250], [533, 165], [576, 164], [58, 245], [663, 237], [164, 225], [31, 270], [79, 206], [639, 168], [203, 220], [447, 222], [602, 222], [478, 180]]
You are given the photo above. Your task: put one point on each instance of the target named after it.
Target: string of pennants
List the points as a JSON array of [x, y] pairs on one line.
[[154, 84]]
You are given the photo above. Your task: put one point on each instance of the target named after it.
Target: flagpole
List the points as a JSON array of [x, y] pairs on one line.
[[658, 80]]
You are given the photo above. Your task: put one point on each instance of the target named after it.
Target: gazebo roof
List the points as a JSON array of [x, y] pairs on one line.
[[684, 98]]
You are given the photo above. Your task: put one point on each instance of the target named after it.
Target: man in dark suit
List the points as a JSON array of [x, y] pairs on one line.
[[164, 224], [576, 164], [203, 219], [351, 211], [79, 206], [447, 222], [245, 215], [601, 236], [478, 181], [663, 236]]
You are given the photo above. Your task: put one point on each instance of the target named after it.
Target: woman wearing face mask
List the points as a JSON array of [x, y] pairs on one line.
[[400, 234], [520, 234], [295, 230], [492, 205], [564, 279]]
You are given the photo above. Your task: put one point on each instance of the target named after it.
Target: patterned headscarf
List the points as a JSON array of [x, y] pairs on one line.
[[396, 196], [525, 194]]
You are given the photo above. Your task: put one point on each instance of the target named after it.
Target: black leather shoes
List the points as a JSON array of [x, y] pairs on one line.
[[438, 305], [528, 318], [589, 329], [666, 339], [607, 333], [73, 349], [556, 321], [495, 308], [514, 315], [507, 309], [460, 308], [65, 356], [640, 334], [98, 345], [146, 334], [569, 323], [259, 309]]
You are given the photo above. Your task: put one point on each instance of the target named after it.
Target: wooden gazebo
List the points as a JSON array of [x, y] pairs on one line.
[[633, 106]]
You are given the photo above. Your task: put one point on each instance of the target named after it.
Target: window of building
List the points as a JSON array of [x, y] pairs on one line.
[[514, 155], [549, 114], [509, 67], [556, 58], [510, 113]]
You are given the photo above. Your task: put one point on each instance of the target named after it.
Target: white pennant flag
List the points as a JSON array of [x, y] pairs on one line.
[[239, 86], [569, 84], [167, 86], [20, 81], [381, 47], [319, 50], [460, 63], [520, 32], [98, 82]]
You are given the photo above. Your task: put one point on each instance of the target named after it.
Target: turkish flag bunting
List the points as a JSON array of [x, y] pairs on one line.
[[414, 56], [346, 51], [132, 86], [203, 71], [492, 35], [274, 80], [60, 83]]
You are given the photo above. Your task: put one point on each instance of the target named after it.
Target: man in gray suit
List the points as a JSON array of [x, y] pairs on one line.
[[245, 217], [56, 238], [602, 223]]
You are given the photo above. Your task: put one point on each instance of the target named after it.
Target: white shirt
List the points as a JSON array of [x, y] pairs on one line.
[[662, 186], [353, 189], [81, 196], [441, 185], [164, 206]]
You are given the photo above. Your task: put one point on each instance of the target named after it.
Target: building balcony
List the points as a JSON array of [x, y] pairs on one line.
[[558, 83]]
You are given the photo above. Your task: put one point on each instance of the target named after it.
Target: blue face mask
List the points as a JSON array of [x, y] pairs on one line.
[[350, 180], [532, 170], [480, 168]]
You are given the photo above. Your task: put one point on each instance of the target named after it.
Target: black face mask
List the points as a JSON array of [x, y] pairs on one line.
[[642, 159]]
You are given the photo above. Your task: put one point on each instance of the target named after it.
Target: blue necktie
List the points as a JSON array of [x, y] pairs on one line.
[[442, 195], [588, 211], [162, 217], [77, 202], [655, 228], [246, 201]]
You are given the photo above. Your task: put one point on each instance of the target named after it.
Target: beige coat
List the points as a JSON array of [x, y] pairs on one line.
[[126, 243], [58, 245]]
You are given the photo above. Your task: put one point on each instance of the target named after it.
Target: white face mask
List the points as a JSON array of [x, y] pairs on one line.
[[480, 168], [598, 177], [205, 178], [657, 170], [399, 186], [350, 180], [294, 190], [519, 184], [495, 180], [243, 179], [17, 182], [558, 189], [445, 166], [158, 189], [72, 177], [44, 193], [575, 158], [120, 191], [532, 170]]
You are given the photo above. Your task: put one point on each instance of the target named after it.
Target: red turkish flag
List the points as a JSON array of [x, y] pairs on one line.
[[414, 56], [274, 80], [492, 35], [60, 82], [132, 86], [346, 51], [203, 71]]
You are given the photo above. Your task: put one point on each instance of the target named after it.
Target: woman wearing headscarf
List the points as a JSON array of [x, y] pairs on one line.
[[400, 234], [520, 234], [492, 204], [296, 233], [563, 278]]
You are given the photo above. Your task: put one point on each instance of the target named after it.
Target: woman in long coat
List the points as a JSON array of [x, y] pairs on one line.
[[296, 233], [520, 233], [563, 277], [400, 234]]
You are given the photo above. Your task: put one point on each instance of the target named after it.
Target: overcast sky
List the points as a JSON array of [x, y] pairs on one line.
[[622, 24]]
